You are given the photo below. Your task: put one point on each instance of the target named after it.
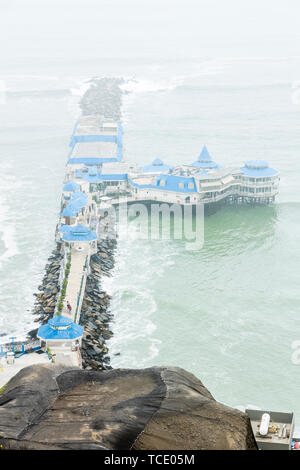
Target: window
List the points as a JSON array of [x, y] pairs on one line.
[[162, 182], [181, 185], [191, 185]]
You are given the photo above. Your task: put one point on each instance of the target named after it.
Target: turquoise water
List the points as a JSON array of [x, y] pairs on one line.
[[228, 312]]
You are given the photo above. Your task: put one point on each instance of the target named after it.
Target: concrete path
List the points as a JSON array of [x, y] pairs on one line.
[[78, 259]]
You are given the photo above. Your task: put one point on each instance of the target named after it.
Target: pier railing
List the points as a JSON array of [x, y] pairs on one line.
[[19, 347], [81, 291], [203, 198]]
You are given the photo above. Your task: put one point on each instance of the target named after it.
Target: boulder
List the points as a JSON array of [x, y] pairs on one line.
[[55, 407]]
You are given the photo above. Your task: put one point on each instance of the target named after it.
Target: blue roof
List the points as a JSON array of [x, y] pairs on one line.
[[114, 177], [93, 160], [60, 321], [99, 137], [79, 199], [105, 177], [71, 210], [92, 178], [258, 169], [93, 171], [60, 328], [92, 138], [79, 233], [171, 183], [71, 186], [65, 228], [205, 161], [157, 166], [204, 155]]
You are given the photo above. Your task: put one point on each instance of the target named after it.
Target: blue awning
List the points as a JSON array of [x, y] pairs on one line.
[[174, 183], [79, 233], [60, 328]]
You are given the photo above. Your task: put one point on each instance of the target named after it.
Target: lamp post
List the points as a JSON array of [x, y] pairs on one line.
[[12, 338]]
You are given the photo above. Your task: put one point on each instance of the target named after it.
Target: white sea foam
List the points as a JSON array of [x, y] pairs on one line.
[[23, 77], [82, 87], [154, 349], [150, 86], [7, 235]]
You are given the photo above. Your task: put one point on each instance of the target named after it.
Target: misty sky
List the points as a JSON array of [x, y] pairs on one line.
[[133, 28]]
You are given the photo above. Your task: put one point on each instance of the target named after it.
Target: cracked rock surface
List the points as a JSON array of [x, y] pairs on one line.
[[55, 407]]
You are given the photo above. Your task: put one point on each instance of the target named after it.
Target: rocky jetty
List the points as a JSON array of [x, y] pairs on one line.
[[48, 291], [95, 313], [104, 97], [54, 407]]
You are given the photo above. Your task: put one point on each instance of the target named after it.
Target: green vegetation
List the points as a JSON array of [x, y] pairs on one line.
[[50, 355], [60, 303]]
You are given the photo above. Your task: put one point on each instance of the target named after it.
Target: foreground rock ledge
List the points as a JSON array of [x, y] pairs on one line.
[[54, 407]]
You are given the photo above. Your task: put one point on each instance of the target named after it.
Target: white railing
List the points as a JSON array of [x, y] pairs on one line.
[[81, 291]]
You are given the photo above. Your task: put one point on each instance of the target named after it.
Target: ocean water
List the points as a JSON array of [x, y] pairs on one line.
[[227, 313]]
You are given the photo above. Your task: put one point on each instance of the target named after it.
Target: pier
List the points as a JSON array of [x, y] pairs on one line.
[[96, 180]]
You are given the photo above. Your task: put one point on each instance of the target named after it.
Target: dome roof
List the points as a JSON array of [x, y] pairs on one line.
[[205, 161], [60, 321], [60, 328], [157, 166], [157, 162], [70, 211], [256, 164], [65, 228], [258, 169], [71, 186], [79, 233]]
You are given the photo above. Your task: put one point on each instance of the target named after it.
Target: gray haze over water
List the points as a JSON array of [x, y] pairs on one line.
[[221, 73]]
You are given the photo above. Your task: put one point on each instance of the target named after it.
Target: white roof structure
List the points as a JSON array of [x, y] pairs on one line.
[[94, 150], [95, 125]]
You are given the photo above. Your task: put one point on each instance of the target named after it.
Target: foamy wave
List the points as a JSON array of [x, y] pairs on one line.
[[82, 88], [32, 77], [154, 349], [260, 58], [145, 85], [7, 234], [50, 92], [132, 308], [247, 407], [150, 86]]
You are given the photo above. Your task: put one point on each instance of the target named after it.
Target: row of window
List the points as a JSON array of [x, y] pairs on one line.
[[244, 189], [254, 180], [180, 185]]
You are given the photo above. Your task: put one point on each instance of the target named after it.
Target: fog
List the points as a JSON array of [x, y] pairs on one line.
[[59, 29]]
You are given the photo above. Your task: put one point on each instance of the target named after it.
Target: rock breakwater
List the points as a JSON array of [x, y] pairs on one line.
[[104, 97], [47, 296], [95, 313]]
